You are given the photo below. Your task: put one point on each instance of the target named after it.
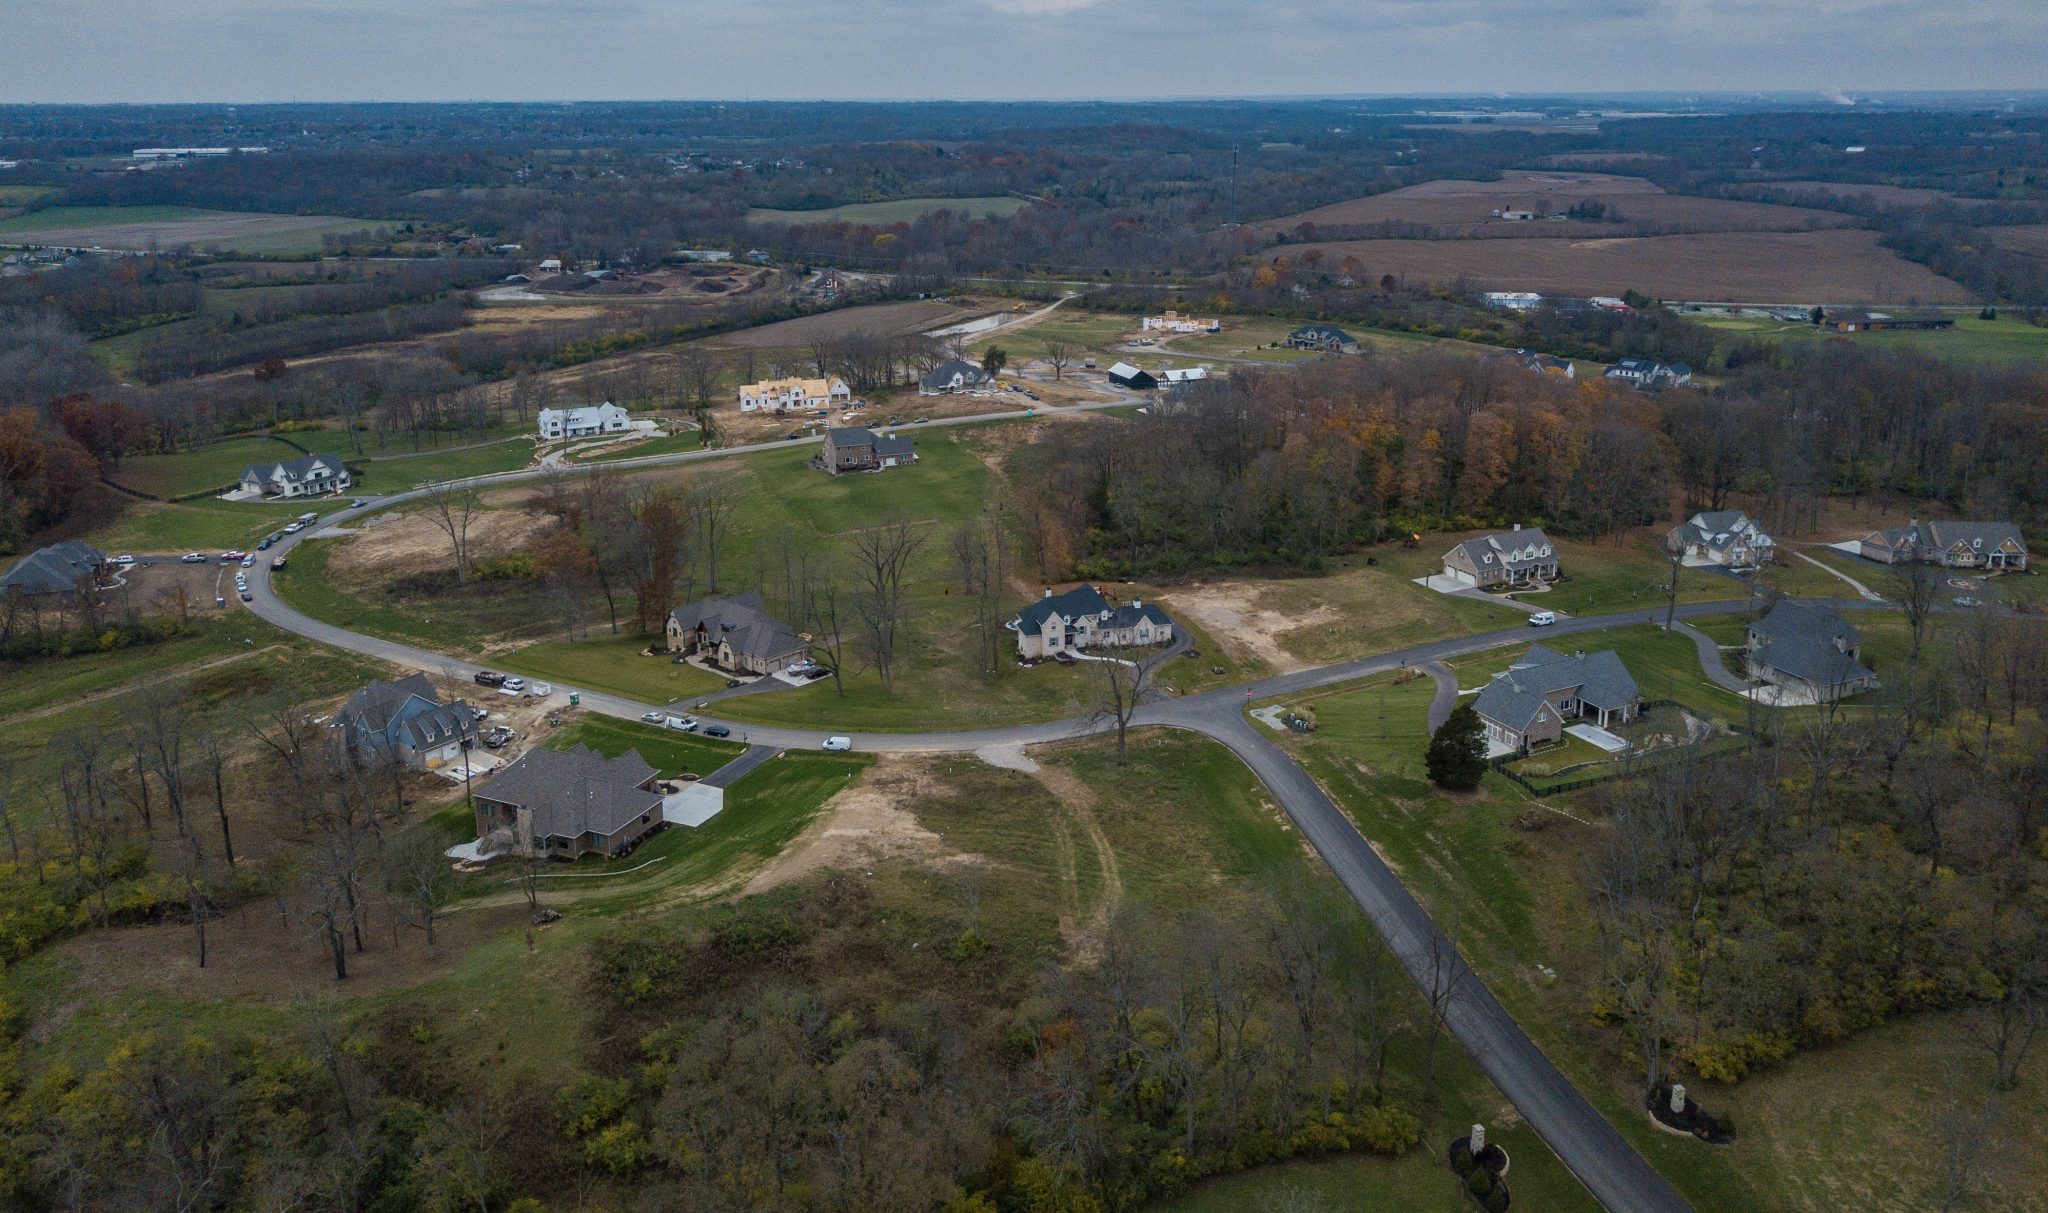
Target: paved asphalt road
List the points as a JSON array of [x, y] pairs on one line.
[[1609, 1167]]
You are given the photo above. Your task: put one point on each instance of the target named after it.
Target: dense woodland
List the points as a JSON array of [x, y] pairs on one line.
[[1294, 466]]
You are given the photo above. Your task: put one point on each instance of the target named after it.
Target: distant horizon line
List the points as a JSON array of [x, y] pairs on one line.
[[1836, 98]]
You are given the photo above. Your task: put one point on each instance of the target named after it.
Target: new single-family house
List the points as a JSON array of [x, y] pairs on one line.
[[1325, 337], [1542, 364], [306, 476], [65, 568], [566, 803], [1957, 545], [1809, 649], [856, 448], [1649, 375], [1729, 538], [1521, 557], [1124, 375], [1528, 704], [606, 418], [405, 720], [1175, 377], [783, 395], [736, 633], [953, 375], [1175, 322], [1082, 618]]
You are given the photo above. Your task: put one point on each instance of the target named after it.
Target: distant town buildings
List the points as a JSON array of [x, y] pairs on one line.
[[1855, 321]]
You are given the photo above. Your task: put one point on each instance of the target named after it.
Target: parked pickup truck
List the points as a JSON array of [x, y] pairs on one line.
[[488, 678]]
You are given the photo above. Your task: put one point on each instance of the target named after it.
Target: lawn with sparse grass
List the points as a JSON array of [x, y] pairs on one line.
[[1621, 574], [206, 524]]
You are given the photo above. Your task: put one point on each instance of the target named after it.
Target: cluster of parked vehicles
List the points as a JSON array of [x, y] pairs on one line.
[[513, 685]]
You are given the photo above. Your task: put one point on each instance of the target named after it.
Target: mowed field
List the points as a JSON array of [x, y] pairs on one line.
[[1469, 206], [1838, 266], [146, 227], [896, 210]]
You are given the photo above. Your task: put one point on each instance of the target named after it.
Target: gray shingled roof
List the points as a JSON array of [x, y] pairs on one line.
[[1507, 546], [57, 569], [292, 470], [1804, 639], [378, 702], [1086, 600], [1513, 698], [1712, 528], [940, 377], [742, 622], [1322, 332], [576, 791], [1977, 536]]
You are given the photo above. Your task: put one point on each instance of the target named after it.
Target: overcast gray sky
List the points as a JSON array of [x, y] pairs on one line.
[[278, 50]]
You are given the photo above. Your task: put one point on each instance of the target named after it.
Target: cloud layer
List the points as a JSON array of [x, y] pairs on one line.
[[262, 50]]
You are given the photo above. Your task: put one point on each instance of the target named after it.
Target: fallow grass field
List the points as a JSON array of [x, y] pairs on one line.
[[1833, 266], [219, 465], [2002, 341], [1466, 207], [896, 210], [140, 228]]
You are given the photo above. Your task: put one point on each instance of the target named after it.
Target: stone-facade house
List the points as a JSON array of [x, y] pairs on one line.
[[1807, 648], [1529, 704], [1728, 538], [1082, 618], [405, 720], [1956, 545], [856, 448], [1521, 557], [565, 803], [736, 633]]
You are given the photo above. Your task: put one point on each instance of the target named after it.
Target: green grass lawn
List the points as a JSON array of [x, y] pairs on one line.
[[206, 524], [612, 663], [96, 216], [1414, 1183], [214, 466], [895, 210], [395, 473], [671, 752], [2002, 341]]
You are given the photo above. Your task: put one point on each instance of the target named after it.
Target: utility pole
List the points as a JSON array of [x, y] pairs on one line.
[[1671, 610]]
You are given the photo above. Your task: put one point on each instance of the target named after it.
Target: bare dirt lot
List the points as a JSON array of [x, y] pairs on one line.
[[1468, 206], [1248, 623], [1745, 267], [398, 545], [869, 821]]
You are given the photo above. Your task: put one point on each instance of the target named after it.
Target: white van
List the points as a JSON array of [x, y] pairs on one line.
[[1542, 619], [308, 519], [839, 743]]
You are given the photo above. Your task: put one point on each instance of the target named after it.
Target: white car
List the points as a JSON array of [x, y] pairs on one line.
[[838, 743], [193, 558], [293, 528], [121, 560], [1542, 619], [248, 563]]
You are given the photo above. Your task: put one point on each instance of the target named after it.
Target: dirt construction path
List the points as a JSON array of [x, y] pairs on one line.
[[126, 688], [869, 821], [1082, 930]]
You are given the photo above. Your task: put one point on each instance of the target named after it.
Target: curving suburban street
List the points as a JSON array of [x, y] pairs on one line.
[[1609, 1167]]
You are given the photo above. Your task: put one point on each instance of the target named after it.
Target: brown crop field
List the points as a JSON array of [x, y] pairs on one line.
[[1467, 207], [2029, 240], [1887, 195], [889, 319], [1839, 266]]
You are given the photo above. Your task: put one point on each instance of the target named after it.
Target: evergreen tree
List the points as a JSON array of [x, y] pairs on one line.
[[1457, 751]]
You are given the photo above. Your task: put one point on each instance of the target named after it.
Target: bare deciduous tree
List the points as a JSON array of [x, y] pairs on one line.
[[881, 557], [1123, 684], [453, 510]]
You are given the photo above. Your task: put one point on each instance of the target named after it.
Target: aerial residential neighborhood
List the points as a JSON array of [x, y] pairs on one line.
[[793, 650]]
